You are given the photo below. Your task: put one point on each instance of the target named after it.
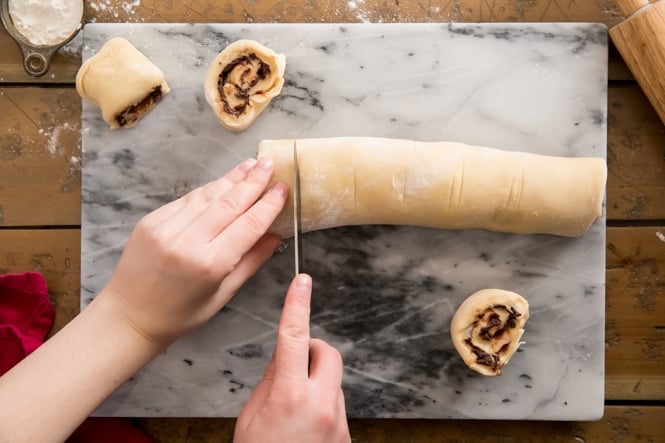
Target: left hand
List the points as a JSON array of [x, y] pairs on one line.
[[184, 261]]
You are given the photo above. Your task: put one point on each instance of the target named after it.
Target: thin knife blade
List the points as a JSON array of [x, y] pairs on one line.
[[297, 215]]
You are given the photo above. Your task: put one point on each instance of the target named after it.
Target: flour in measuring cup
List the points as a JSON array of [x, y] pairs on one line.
[[46, 22]]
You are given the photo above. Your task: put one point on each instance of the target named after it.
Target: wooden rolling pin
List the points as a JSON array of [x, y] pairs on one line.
[[640, 39]]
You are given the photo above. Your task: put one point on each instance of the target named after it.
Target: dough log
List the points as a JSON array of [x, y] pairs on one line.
[[487, 327], [364, 180], [241, 81], [122, 81]]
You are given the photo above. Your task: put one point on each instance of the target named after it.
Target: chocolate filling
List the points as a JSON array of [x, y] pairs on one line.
[[134, 112], [493, 327], [241, 89], [483, 357]]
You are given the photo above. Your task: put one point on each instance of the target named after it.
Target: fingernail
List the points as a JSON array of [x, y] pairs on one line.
[[279, 189], [265, 164], [247, 165], [303, 281]]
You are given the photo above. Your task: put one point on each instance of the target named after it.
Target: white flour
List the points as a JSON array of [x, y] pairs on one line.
[[46, 22]]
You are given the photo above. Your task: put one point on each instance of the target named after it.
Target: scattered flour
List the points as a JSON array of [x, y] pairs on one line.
[[115, 7], [55, 146], [46, 22], [53, 138], [357, 7]]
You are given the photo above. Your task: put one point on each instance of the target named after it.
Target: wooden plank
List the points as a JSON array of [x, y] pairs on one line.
[[635, 323], [333, 11], [617, 70], [53, 253], [64, 63], [620, 423], [636, 137], [67, 60], [635, 357], [40, 156]]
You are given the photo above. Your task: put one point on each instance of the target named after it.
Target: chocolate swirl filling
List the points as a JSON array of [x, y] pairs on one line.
[[237, 79], [133, 113], [490, 335]]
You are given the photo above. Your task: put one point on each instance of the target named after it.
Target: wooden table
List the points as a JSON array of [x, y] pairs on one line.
[[40, 199]]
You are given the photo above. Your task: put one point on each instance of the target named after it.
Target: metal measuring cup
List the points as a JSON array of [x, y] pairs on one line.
[[36, 58]]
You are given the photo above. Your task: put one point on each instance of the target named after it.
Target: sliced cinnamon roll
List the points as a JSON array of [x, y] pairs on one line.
[[487, 327], [241, 81], [122, 81]]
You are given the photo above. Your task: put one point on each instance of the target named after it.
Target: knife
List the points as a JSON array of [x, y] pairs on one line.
[[297, 216]]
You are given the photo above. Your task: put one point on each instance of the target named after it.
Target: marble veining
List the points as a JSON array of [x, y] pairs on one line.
[[383, 295]]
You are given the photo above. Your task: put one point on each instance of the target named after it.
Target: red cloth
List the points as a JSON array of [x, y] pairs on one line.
[[109, 430], [26, 316]]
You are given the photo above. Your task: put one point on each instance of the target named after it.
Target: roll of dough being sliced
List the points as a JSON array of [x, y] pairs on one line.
[[364, 180], [241, 81], [122, 81], [487, 327]]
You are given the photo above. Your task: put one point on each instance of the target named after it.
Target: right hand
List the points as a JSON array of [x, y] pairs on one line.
[[300, 398]]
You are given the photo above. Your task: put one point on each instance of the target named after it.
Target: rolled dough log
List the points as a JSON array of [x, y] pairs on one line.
[[241, 81], [487, 327], [122, 81], [365, 180]]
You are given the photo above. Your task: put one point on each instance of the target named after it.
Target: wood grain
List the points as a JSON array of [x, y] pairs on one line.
[[620, 424], [40, 156], [641, 42], [635, 157], [635, 323], [334, 11]]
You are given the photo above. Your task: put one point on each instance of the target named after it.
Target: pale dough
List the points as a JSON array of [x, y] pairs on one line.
[[241, 82], [122, 81], [487, 327], [365, 180]]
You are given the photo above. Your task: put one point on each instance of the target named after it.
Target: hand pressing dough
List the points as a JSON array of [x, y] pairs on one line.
[[122, 81], [487, 327], [241, 81], [365, 180]]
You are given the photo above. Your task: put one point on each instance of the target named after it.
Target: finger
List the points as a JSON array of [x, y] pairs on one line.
[[224, 209], [292, 348], [244, 232], [325, 365], [179, 213], [247, 267]]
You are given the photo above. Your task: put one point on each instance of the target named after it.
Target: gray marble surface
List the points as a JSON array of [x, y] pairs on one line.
[[384, 296]]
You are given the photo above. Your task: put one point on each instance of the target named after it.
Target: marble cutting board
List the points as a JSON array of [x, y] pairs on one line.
[[384, 296]]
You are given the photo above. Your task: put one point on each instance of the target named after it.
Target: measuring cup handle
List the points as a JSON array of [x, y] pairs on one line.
[[36, 62]]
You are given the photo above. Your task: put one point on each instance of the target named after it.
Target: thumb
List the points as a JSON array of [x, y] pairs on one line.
[[292, 348]]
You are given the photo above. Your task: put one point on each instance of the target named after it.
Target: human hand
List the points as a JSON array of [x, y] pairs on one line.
[[184, 261], [300, 397]]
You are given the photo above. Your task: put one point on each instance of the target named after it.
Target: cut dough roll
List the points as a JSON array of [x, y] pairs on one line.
[[365, 180], [122, 81], [487, 327], [241, 81]]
